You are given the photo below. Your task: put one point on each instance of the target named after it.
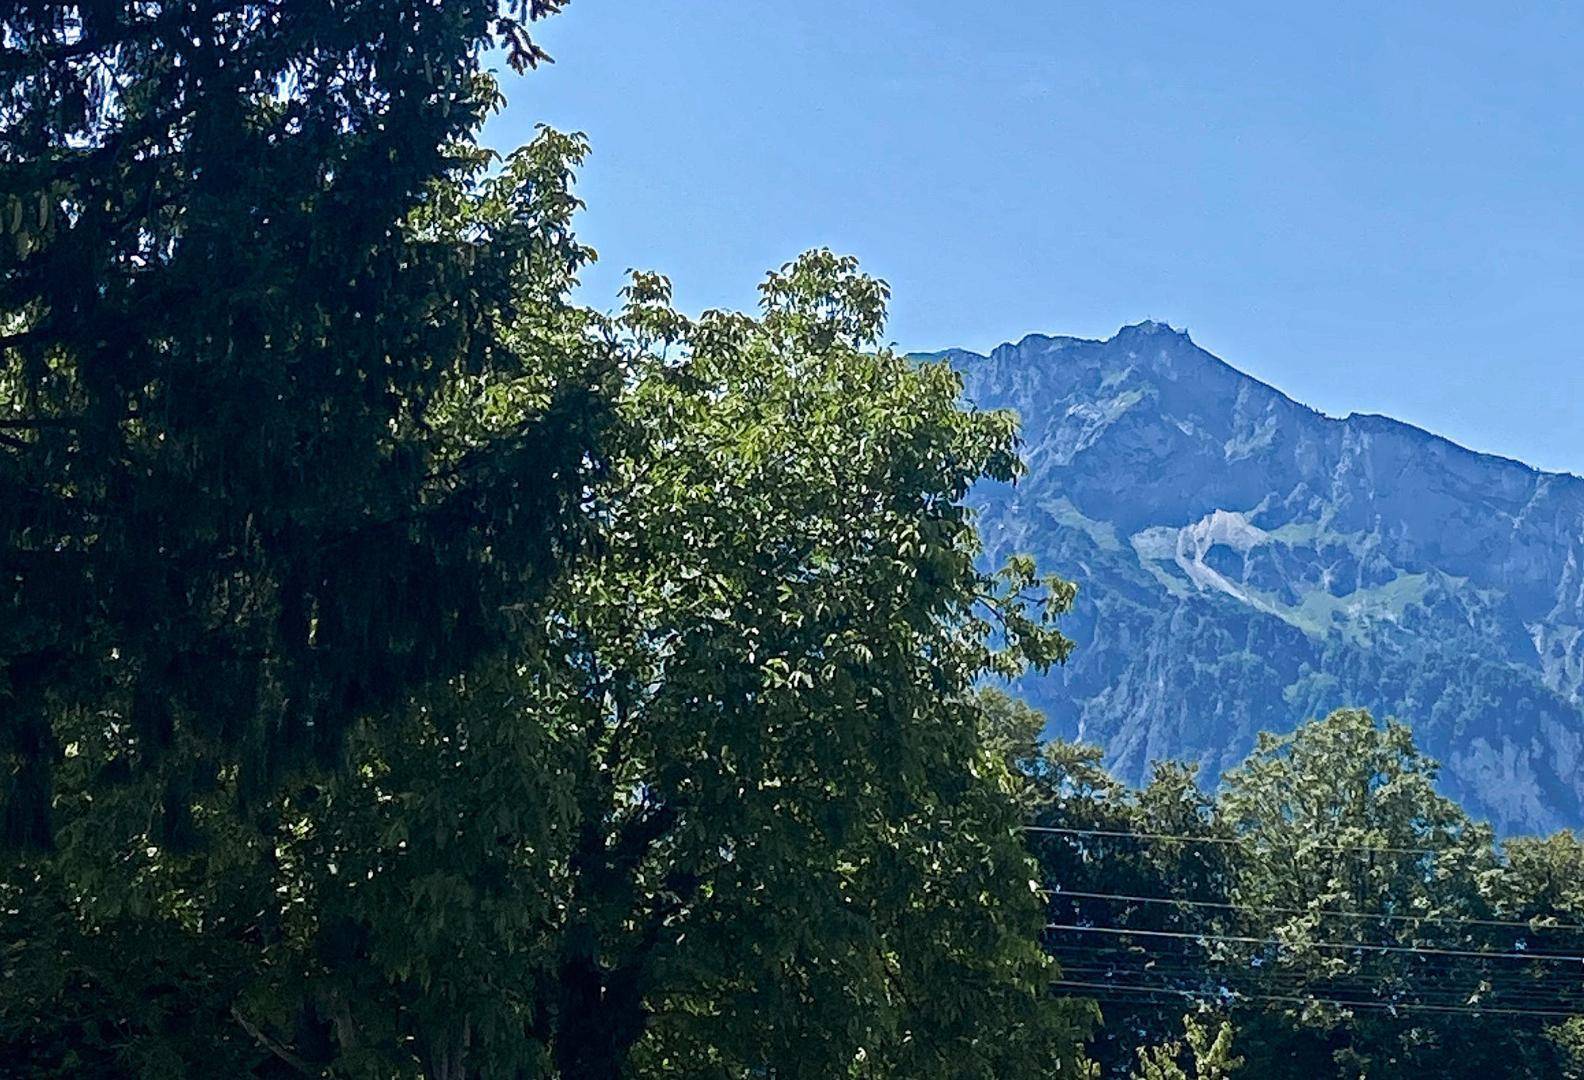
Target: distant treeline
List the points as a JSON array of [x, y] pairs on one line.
[[1344, 917]]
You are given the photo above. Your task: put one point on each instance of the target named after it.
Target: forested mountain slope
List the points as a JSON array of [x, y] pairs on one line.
[[1246, 562]]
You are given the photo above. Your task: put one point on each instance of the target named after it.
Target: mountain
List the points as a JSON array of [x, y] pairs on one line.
[[1246, 562]]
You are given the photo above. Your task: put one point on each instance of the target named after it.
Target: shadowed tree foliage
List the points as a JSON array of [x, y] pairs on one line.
[[247, 263], [1093, 867], [1349, 919], [405, 672], [731, 808], [646, 646]]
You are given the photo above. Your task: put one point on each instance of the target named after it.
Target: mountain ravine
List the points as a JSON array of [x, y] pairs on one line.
[[1246, 562]]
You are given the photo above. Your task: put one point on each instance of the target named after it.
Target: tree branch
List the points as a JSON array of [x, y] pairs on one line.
[[33, 423], [271, 1045]]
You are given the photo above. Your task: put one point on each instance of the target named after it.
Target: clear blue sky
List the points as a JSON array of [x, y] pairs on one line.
[[1375, 207]]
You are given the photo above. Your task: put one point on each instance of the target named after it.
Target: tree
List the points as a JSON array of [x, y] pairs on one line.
[[127, 951], [1209, 1055], [1568, 1038], [730, 808], [1540, 894], [1343, 815], [795, 857], [250, 271], [1349, 919], [1104, 865]]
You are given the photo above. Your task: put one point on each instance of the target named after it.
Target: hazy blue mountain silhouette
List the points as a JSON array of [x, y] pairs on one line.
[[1247, 562]]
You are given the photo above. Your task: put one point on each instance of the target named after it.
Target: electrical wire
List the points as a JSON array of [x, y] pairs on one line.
[[1440, 920], [1345, 946], [1296, 1000], [1236, 841], [1433, 973], [1435, 992], [1527, 992]]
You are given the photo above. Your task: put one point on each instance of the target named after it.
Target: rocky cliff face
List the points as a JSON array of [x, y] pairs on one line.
[[1247, 562]]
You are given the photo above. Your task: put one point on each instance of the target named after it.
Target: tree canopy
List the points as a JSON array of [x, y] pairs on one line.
[[1347, 918], [726, 808], [408, 671], [252, 264]]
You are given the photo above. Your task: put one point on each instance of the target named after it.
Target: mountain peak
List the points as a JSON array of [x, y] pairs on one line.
[[1150, 328], [1247, 562]]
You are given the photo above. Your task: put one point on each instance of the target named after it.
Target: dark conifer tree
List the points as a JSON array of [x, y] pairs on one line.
[[232, 310]]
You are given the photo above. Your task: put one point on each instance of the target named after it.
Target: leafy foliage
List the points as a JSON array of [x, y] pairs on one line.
[[407, 672], [1352, 920], [781, 643], [251, 260], [730, 807], [1209, 1055]]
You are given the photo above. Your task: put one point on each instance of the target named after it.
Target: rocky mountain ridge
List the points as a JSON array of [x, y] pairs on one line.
[[1247, 562]]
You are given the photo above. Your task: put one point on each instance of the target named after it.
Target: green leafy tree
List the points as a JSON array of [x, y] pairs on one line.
[[1370, 927], [1541, 891], [1104, 864], [1343, 815], [1349, 918], [1208, 1054], [127, 951], [1568, 1039], [731, 808], [239, 297], [796, 857]]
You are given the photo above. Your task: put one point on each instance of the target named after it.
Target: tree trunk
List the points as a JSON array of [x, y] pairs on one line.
[[600, 1019]]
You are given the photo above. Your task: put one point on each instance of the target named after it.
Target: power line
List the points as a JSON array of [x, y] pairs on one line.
[[1448, 920], [1191, 965], [1296, 1000], [1353, 994], [1233, 998], [1447, 989], [1341, 945], [1440, 992], [1423, 965], [1236, 841]]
